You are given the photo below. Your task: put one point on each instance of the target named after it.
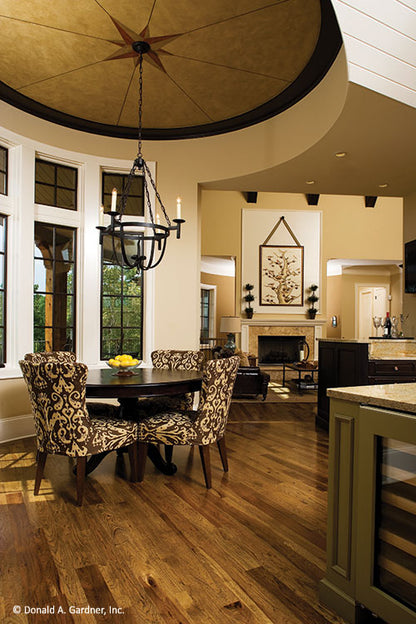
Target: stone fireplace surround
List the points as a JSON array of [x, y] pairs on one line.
[[253, 328]]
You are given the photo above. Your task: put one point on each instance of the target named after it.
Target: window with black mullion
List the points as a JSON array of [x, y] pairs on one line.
[[55, 184]]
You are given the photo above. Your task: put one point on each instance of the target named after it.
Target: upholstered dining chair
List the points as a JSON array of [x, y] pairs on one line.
[[172, 359], [63, 423], [53, 356], [201, 427]]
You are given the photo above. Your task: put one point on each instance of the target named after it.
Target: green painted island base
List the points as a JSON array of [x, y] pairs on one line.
[[371, 542]]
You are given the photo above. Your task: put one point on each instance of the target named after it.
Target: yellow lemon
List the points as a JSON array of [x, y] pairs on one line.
[[114, 362], [118, 357], [135, 362], [125, 363], [111, 362]]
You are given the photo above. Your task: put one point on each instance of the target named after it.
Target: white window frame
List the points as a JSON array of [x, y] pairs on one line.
[[22, 212]]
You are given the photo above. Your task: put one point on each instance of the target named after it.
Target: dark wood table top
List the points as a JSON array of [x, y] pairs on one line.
[[301, 367], [105, 383]]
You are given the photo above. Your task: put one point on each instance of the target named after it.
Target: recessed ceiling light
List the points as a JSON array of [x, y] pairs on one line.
[[310, 181], [384, 185], [340, 154]]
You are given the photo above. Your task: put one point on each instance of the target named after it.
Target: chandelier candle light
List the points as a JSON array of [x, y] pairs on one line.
[[139, 245]]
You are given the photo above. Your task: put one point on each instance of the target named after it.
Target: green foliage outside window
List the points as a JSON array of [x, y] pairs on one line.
[[121, 311]]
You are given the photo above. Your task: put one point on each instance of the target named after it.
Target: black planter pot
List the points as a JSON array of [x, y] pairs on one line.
[[311, 314], [249, 313]]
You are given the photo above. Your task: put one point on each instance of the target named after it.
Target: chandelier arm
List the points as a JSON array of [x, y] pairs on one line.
[[150, 264], [126, 262]]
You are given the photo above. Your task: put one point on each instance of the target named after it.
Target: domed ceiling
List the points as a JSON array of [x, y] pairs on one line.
[[214, 66]]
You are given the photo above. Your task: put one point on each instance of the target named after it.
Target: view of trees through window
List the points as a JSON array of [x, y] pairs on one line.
[[54, 288], [121, 288], [121, 309]]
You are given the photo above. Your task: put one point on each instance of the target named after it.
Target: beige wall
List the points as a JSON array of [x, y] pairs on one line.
[[14, 398], [409, 234], [225, 296], [371, 277], [349, 230], [333, 305]]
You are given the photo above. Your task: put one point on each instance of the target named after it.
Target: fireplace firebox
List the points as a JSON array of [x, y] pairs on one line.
[[279, 349]]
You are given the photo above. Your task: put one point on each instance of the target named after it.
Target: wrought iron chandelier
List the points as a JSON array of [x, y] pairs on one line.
[[139, 245]]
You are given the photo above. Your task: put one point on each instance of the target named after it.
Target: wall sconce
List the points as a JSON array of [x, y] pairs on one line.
[[334, 321]]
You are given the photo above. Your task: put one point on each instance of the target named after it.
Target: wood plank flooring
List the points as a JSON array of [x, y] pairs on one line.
[[251, 550]]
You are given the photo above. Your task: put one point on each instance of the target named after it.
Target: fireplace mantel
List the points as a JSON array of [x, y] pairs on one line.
[[252, 328]]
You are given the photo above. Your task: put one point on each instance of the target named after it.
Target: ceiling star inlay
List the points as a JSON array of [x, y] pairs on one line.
[[129, 36]]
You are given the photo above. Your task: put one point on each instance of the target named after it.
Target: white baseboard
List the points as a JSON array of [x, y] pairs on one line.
[[17, 427]]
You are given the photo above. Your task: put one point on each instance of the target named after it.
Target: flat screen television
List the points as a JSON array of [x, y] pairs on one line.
[[410, 267]]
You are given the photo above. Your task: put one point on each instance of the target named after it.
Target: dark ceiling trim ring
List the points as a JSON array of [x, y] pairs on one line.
[[327, 48]]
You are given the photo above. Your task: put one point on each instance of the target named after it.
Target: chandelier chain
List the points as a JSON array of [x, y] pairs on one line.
[[139, 153]]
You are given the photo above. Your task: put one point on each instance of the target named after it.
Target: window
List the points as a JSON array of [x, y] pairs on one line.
[[55, 184], [135, 201], [3, 170], [54, 288], [3, 242], [121, 308], [205, 313]]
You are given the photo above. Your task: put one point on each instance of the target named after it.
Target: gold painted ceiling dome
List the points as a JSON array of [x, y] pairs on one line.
[[213, 66]]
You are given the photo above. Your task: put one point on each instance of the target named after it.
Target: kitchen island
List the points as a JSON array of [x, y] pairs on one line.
[[371, 538]]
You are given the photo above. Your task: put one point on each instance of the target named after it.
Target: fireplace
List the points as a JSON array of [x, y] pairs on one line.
[[278, 349]]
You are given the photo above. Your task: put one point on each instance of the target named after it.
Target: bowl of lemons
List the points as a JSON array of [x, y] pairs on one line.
[[124, 364]]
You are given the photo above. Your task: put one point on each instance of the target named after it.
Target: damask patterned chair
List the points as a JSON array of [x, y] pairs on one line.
[[63, 423], [54, 356], [201, 427], [171, 359]]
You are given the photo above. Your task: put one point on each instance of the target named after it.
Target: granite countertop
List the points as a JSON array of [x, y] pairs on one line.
[[400, 396], [384, 341]]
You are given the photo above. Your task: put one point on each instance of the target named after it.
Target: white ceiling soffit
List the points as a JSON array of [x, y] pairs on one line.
[[380, 42], [335, 267], [218, 266]]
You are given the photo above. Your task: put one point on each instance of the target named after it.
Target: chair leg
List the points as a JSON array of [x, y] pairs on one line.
[[206, 464], [168, 453], [223, 453], [141, 459], [41, 461], [132, 449], [81, 469]]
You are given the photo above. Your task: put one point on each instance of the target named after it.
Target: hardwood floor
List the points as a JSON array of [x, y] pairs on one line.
[[168, 551]]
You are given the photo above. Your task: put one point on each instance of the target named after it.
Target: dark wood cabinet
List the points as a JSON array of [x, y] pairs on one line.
[[343, 364], [391, 371]]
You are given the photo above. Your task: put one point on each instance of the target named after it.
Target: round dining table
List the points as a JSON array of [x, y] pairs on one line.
[[105, 383]]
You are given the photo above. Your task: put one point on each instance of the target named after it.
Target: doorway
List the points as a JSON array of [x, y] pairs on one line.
[[372, 301]]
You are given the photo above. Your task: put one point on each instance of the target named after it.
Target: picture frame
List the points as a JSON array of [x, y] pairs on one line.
[[281, 275]]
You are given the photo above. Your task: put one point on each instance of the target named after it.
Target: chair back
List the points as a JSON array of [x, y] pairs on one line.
[[57, 395], [48, 356], [177, 360], [215, 398]]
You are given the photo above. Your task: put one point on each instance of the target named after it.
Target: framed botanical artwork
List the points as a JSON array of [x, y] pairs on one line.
[[281, 275]]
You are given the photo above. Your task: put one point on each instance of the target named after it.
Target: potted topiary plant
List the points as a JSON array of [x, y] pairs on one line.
[[312, 299], [248, 298]]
